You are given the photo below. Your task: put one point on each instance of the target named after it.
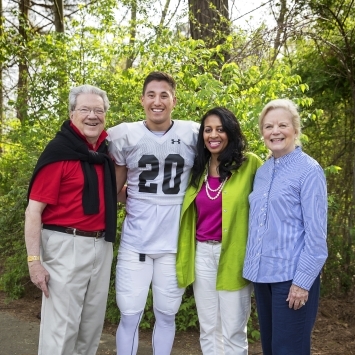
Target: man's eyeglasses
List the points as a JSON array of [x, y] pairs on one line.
[[86, 111]]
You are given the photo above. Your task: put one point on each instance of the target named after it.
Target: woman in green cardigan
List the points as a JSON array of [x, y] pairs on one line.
[[213, 233]]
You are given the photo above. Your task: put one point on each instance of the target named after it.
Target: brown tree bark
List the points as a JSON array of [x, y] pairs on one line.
[[1, 83], [209, 20], [59, 16], [281, 27], [132, 32], [165, 11], [22, 84]]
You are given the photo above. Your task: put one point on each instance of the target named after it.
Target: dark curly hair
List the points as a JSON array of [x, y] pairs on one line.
[[231, 158]]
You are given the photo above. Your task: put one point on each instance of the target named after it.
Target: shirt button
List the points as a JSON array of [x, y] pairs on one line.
[[224, 210], [261, 224], [225, 230]]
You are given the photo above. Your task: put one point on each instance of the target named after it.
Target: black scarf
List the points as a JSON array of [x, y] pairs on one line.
[[67, 145]]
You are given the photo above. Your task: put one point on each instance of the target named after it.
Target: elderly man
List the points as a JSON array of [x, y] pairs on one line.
[[70, 226]]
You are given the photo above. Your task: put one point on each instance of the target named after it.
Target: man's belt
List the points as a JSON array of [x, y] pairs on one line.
[[74, 231]]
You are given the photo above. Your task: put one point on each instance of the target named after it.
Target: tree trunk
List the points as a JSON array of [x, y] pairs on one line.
[[165, 11], [22, 85], [209, 20], [281, 27], [132, 33], [59, 16], [1, 83]]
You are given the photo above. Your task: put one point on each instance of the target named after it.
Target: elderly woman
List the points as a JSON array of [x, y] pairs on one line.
[[213, 233], [286, 247]]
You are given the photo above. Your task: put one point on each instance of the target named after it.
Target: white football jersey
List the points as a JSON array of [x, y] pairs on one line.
[[158, 167], [158, 173]]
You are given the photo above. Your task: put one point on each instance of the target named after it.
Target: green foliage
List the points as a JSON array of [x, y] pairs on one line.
[[148, 319], [12, 247], [187, 316], [253, 324], [112, 312]]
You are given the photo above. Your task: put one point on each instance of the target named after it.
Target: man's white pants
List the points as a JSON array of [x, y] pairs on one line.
[[72, 317], [133, 279], [223, 315]]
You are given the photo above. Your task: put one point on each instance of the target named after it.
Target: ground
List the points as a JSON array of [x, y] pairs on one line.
[[334, 332]]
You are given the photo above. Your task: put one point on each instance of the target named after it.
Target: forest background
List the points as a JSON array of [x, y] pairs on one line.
[[303, 50]]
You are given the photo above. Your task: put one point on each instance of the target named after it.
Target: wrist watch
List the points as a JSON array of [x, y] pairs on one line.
[[33, 258]]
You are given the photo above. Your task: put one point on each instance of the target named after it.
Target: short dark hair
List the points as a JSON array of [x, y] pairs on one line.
[[160, 76], [232, 157]]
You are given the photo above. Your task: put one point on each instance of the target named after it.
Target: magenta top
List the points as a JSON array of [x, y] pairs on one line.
[[209, 213]]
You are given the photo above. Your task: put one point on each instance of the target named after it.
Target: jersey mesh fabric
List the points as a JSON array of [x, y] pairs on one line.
[[158, 167], [158, 173]]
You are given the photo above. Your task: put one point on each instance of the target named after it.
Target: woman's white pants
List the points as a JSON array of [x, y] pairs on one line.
[[223, 315]]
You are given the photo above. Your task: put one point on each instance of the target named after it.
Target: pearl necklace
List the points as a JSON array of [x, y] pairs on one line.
[[208, 188]]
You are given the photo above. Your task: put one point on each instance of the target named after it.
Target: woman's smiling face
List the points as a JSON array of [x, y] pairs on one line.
[[278, 132], [214, 136]]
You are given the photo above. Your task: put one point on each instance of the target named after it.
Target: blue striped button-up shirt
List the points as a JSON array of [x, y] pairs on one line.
[[287, 221]]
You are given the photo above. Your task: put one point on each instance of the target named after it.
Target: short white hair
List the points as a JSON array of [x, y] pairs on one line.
[[86, 89], [287, 105]]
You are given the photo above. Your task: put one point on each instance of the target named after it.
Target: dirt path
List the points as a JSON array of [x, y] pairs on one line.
[[334, 333], [19, 329], [20, 337]]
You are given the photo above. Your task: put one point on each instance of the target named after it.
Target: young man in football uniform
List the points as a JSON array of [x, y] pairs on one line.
[[155, 157]]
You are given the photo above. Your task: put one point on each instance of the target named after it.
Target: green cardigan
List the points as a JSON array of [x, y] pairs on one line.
[[235, 215]]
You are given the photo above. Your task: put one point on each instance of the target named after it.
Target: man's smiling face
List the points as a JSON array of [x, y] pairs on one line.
[[90, 124], [158, 102]]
